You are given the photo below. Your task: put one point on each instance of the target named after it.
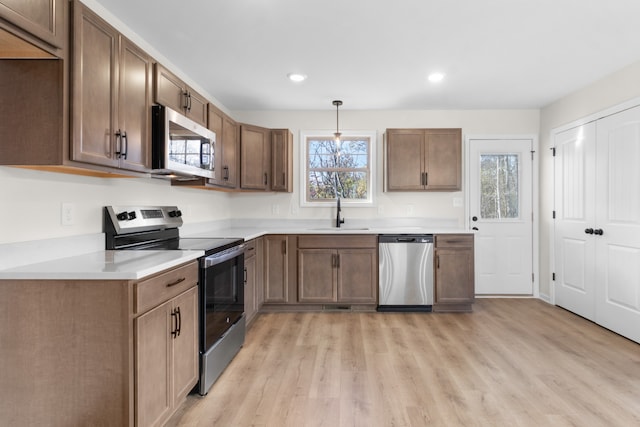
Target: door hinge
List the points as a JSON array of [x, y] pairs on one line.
[[533, 277], [553, 276], [553, 151], [554, 215], [532, 152]]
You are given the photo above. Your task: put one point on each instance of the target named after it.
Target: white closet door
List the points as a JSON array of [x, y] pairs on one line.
[[618, 216], [575, 217]]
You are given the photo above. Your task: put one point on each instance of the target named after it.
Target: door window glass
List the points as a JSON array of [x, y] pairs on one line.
[[499, 186]]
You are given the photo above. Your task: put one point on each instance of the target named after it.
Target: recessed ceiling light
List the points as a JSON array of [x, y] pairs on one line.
[[297, 77], [436, 77]]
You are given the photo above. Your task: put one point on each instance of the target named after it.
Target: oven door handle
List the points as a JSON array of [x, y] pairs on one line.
[[221, 257]]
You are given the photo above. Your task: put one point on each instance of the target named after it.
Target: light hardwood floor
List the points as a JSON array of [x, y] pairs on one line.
[[512, 362]]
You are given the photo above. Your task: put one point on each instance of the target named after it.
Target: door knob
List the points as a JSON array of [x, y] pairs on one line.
[[589, 230], [598, 231], [475, 228]]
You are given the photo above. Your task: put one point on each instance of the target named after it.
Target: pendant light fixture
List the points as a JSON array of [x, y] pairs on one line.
[[337, 103]]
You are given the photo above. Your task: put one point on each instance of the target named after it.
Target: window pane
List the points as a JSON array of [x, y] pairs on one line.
[[321, 185], [352, 185], [499, 186]]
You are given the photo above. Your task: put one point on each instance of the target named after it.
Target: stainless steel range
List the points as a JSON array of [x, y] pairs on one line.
[[221, 277]]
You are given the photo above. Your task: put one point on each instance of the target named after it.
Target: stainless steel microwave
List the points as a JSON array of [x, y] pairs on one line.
[[180, 145]]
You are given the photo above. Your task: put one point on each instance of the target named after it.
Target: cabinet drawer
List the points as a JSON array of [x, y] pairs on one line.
[[454, 240], [324, 241], [249, 249], [154, 291]]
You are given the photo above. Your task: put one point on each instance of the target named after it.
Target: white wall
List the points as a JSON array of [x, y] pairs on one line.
[[614, 89], [31, 202], [390, 204]]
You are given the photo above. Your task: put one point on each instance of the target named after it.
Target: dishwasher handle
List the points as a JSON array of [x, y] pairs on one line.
[[405, 238]]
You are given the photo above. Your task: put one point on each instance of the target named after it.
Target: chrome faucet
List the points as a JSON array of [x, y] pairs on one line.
[[338, 219]]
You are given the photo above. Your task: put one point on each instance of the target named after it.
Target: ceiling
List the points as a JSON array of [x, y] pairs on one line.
[[376, 54]]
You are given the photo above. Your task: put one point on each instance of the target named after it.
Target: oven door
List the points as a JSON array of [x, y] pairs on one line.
[[221, 294]]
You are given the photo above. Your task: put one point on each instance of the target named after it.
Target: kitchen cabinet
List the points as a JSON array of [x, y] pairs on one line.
[[110, 114], [174, 93], [255, 157], [279, 269], [281, 160], [226, 148], [337, 269], [44, 19], [92, 352], [423, 160], [454, 288], [253, 293]]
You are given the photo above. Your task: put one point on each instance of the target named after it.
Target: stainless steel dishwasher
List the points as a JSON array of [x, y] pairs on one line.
[[405, 272]]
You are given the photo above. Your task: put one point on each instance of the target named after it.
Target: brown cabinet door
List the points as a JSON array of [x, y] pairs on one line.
[[196, 107], [94, 86], [42, 18], [317, 275], [169, 90], [250, 288], [357, 275], [185, 345], [229, 153], [454, 273], [443, 159], [153, 366], [405, 159], [255, 149], [281, 160], [134, 107], [276, 268]]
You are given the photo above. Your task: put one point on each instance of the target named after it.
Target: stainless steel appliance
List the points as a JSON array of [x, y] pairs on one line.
[[405, 272], [220, 278], [181, 145]]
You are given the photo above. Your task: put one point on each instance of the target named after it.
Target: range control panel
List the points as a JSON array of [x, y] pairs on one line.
[[130, 219]]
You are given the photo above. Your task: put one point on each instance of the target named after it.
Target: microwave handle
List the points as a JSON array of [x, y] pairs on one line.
[[210, 144]]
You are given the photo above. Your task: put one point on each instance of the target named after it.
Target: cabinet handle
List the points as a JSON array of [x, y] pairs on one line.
[[284, 178], [265, 178], [185, 104], [226, 173], [125, 143], [426, 178], [284, 247], [179, 327], [174, 321], [189, 101], [118, 143], [245, 276], [338, 260], [421, 178], [437, 261], [176, 282]]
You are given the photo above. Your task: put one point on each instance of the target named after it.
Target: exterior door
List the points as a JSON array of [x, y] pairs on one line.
[[617, 223], [500, 203], [575, 218]]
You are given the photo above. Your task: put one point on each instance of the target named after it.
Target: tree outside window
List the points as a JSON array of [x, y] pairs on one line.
[[500, 185]]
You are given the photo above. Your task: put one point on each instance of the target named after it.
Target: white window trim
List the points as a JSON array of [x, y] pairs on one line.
[[366, 203]]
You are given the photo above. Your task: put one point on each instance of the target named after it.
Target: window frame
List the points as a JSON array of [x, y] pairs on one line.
[[304, 170]]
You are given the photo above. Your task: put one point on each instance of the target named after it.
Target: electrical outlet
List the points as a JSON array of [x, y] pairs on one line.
[[380, 210], [68, 214], [410, 210], [457, 202], [275, 209]]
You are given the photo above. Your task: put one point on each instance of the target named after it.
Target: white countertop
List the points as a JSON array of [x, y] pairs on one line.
[[102, 265]]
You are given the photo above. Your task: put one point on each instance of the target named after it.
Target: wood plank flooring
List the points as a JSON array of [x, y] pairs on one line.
[[512, 362]]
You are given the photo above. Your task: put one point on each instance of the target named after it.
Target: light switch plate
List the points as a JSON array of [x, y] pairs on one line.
[[68, 214]]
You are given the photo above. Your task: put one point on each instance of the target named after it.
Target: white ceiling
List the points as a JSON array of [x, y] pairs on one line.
[[376, 54]]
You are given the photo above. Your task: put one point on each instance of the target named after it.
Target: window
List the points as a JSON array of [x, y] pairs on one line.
[[337, 169], [499, 176]]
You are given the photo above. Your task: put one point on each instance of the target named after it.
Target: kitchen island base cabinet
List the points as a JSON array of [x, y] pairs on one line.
[[454, 273], [74, 352]]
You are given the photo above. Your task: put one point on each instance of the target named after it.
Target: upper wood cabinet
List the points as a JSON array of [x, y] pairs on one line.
[[423, 160], [226, 148], [454, 272], [255, 157], [111, 114], [172, 92], [44, 19], [281, 160]]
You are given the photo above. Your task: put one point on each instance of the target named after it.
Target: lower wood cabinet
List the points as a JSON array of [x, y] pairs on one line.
[[279, 269], [454, 272], [337, 269], [253, 289], [91, 352]]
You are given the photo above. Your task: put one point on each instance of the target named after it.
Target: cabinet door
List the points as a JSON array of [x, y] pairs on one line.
[[197, 107], [254, 161], [42, 18], [153, 366], [250, 287], [454, 290], [443, 159], [229, 152], [94, 86], [317, 272], [357, 275], [281, 160], [169, 90], [405, 159], [276, 268], [134, 107], [185, 345]]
